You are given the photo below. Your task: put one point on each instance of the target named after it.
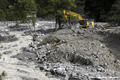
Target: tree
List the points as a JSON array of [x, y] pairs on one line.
[[3, 8], [2, 15], [23, 10], [114, 13], [61, 5], [55, 8], [3, 4], [98, 9], [80, 5], [93, 8]]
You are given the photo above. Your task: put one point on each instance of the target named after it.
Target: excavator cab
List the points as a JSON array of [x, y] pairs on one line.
[[83, 23], [86, 23]]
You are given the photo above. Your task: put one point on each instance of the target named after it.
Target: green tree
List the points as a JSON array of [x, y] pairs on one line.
[[114, 13], [55, 8], [93, 8], [23, 10], [98, 9], [80, 5], [3, 8], [61, 5], [42, 8], [2, 15], [4, 4]]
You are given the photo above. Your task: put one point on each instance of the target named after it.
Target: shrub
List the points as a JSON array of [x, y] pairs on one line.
[[50, 40]]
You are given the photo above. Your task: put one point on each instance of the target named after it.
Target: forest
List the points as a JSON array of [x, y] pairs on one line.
[[99, 10]]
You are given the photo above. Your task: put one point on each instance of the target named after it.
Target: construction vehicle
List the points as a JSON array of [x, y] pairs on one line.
[[82, 22]]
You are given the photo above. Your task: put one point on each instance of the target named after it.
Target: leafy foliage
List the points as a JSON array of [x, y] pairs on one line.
[[22, 10], [49, 40], [55, 8], [3, 74], [98, 9], [114, 13], [2, 15], [79, 8]]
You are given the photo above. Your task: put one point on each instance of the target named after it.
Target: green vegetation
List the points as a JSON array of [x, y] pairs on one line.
[[103, 10], [17, 10], [2, 15], [0, 55], [24, 10], [55, 8], [3, 74], [114, 13], [49, 40]]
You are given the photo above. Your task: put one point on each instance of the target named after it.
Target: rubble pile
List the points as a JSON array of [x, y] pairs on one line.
[[80, 54], [102, 26]]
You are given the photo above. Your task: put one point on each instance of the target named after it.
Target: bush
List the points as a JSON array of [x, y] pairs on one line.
[[3, 74], [50, 40]]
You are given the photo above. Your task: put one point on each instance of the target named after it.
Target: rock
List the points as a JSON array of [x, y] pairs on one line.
[[41, 68], [61, 71], [101, 69], [95, 79], [21, 63], [26, 56], [93, 70], [22, 71], [6, 37], [53, 71], [7, 52], [23, 34], [28, 78], [71, 77], [15, 45], [103, 46]]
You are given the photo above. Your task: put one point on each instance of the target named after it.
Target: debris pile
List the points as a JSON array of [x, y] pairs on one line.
[[80, 54], [102, 26]]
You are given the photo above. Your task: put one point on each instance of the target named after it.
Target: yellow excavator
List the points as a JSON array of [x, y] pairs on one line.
[[82, 22]]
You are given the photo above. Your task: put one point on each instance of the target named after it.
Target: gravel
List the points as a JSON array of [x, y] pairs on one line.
[[81, 54]]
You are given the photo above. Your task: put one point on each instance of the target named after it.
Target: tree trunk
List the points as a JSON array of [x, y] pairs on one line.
[[59, 23], [56, 25]]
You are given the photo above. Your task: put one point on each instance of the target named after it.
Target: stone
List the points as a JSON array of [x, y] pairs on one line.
[[101, 69], [95, 79], [61, 71], [23, 34], [71, 77], [93, 70]]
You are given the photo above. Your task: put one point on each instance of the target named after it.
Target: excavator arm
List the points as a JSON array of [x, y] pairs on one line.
[[72, 14]]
